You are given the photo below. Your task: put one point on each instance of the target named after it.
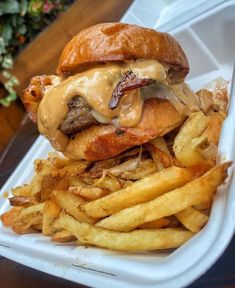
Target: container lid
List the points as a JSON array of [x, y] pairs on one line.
[[166, 15]]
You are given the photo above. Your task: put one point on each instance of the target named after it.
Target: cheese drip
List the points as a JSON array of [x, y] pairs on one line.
[[96, 86]]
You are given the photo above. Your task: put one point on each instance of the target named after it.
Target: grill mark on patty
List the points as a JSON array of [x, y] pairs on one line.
[[78, 117]]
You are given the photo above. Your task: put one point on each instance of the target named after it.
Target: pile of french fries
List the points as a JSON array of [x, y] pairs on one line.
[[148, 198]]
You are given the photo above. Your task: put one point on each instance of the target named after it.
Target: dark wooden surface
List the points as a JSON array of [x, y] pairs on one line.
[[14, 275], [10, 119]]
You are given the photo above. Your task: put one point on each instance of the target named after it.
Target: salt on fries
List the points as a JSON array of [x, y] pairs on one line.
[[150, 198]]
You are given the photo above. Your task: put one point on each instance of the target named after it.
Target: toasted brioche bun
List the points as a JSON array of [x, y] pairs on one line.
[[104, 141], [121, 42]]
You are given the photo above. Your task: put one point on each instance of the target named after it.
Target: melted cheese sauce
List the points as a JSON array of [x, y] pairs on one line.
[[96, 86]]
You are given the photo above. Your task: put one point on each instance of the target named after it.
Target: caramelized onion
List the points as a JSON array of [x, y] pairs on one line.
[[129, 81]]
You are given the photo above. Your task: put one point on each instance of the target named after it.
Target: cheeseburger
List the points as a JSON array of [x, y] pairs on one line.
[[117, 86]]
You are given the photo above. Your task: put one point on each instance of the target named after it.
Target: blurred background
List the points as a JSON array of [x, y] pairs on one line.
[[32, 36]]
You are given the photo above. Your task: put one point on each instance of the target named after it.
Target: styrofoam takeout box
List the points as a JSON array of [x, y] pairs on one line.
[[207, 35]]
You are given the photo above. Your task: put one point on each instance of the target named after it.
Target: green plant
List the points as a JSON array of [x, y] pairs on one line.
[[20, 22]]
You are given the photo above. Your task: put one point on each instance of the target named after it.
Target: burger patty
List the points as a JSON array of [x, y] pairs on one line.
[[78, 117]]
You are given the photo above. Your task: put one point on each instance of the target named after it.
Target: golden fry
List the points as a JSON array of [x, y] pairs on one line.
[[192, 193], [155, 224], [50, 183], [8, 217], [145, 168], [24, 190], [27, 218], [63, 237], [192, 219], [110, 183], [152, 239], [23, 201], [88, 192], [71, 204], [213, 129], [203, 206], [73, 168], [160, 153], [140, 191], [197, 139], [51, 211]]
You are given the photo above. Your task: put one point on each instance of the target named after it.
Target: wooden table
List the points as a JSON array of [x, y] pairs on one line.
[[14, 275]]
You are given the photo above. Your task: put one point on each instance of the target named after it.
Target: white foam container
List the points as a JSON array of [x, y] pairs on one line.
[[206, 31]]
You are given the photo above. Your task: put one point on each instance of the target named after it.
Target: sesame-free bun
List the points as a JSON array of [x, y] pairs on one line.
[[122, 42], [104, 43]]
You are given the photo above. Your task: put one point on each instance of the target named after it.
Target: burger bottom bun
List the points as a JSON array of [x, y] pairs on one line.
[[104, 141]]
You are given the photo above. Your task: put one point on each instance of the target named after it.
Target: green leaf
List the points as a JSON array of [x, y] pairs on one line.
[[7, 32], [5, 102], [22, 29], [6, 74], [2, 46], [23, 7], [8, 99], [35, 7], [14, 20], [9, 6], [12, 96], [7, 61], [20, 20], [14, 81], [8, 87]]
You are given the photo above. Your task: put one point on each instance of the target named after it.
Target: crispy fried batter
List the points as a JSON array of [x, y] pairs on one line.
[[33, 95]]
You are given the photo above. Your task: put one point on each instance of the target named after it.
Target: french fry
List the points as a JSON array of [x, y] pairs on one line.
[[50, 183], [192, 193], [42, 168], [160, 153], [140, 191], [155, 224], [73, 168], [109, 182], [152, 239], [8, 217], [213, 129], [130, 189], [27, 218], [51, 211], [24, 190], [63, 237], [88, 192], [37, 226], [192, 219], [23, 201], [196, 141], [145, 168], [71, 204], [203, 206]]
